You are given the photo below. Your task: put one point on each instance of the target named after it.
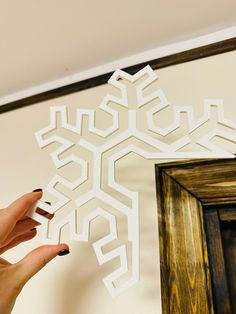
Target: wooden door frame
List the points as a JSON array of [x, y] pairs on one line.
[[183, 188]]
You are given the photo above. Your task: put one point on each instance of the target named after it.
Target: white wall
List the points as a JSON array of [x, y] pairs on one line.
[[73, 284]]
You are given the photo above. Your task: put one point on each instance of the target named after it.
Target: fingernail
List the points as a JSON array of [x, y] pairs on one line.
[[33, 229], [63, 252], [37, 190]]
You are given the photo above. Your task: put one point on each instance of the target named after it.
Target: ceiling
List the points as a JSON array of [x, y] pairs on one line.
[[46, 40]]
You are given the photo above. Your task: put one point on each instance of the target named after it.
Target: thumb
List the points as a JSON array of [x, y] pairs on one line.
[[37, 259]]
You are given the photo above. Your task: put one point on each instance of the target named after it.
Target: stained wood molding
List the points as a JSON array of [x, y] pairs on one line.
[[209, 182], [177, 58], [183, 189]]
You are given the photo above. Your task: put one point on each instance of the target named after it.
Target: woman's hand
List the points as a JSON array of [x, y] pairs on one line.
[[16, 227]]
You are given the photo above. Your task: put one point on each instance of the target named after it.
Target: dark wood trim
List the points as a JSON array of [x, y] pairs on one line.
[[228, 233], [181, 197], [178, 58], [213, 183], [227, 214], [216, 257], [185, 277]]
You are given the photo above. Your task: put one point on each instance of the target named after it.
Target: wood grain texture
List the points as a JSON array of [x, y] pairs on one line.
[[229, 241], [183, 188], [212, 182], [216, 257], [227, 214], [185, 273]]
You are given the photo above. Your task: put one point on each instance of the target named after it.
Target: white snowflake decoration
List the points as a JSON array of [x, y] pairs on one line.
[[159, 150]]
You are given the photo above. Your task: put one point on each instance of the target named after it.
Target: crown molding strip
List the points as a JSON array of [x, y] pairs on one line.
[[176, 58]]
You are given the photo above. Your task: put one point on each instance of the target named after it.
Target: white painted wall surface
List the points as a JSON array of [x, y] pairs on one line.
[[73, 284]]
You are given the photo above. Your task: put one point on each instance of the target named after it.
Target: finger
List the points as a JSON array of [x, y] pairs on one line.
[[21, 206], [10, 215], [16, 241], [22, 227], [37, 259]]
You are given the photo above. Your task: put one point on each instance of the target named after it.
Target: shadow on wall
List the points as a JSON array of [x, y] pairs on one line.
[[81, 281]]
